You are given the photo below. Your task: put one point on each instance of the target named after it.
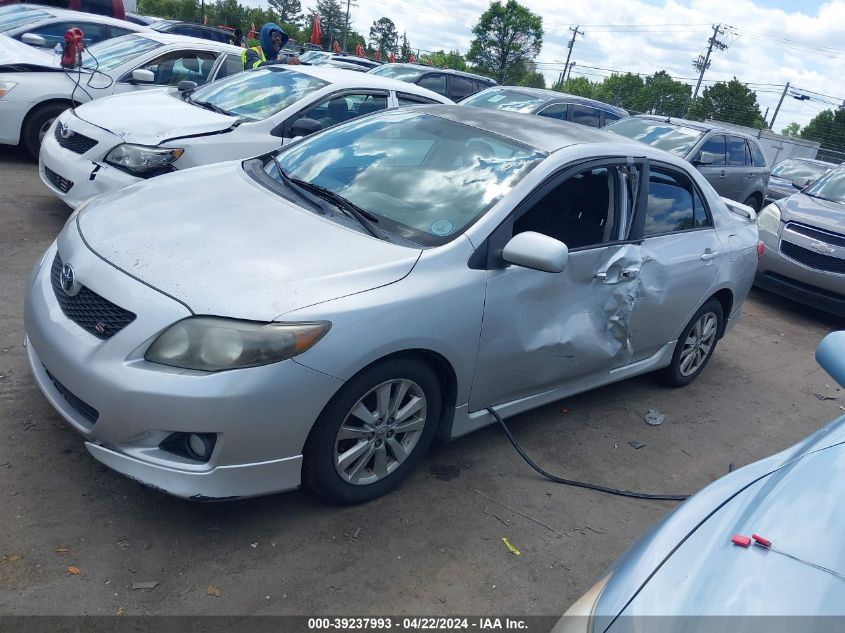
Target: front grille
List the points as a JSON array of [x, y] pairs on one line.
[[812, 259], [59, 182], [90, 311], [817, 234], [78, 143], [83, 408]]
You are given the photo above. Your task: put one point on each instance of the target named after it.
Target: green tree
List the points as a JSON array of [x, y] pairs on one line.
[[626, 91], [452, 59], [506, 36], [828, 128], [579, 86], [793, 129], [172, 9], [332, 19], [731, 102], [383, 36], [404, 48], [533, 80], [665, 96], [289, 12]]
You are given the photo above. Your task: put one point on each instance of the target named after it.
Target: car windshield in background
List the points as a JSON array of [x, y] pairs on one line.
[[503, 99], [109, 54], [671, 137], [791, 169], [163, 25], [830, 187], [402, 73], [12, 19], [424, 178], [258, 94]]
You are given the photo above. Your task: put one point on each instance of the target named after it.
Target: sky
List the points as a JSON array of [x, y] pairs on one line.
[[771, 42]]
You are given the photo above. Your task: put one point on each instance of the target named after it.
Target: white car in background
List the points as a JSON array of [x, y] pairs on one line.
[[111, 143], [44, 26], [35, 89]]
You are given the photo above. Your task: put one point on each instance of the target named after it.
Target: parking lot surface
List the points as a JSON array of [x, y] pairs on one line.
[[433, 546]]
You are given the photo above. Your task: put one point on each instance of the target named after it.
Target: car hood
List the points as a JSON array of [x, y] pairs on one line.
[[214, 239], [816, 212], [152, 116], [687, 565], [17, 56]]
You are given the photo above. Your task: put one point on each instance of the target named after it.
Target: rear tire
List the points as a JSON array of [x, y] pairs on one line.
[[351, 458], [754, 202], [36, 125], [696, 345]]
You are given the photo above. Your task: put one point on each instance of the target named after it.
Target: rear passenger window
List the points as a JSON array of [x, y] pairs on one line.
[[757, 157], [461, 87], [610, 117], [670, 203], [555, 111], [701, 217], [409, 100], [435, 83], [585, 115], [737, 151]]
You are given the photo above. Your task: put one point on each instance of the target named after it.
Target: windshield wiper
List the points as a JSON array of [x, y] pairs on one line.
[[364, 217], [210, 106], [301, 191]]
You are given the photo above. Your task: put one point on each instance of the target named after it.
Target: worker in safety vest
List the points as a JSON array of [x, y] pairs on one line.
[[272, 39]]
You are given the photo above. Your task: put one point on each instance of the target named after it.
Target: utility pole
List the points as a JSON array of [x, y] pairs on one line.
[[569, 70], [703, 62], [777, 109], [346, 24], [570, 44]]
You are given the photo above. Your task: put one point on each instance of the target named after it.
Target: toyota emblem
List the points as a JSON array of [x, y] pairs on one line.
[[64, 131], [68, 280]]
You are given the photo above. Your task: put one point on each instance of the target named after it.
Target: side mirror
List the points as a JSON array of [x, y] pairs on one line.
[[800, 183], [186, 86], [305, 127], [143, 76], [34, 40], [704, 159], [536, 251]]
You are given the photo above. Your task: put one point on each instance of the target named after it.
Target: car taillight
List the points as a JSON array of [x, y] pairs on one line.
[[760, 249]]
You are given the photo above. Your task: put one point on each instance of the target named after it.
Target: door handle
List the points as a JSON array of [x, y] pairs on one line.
[[631, 273], [708, 254], [602, 276]]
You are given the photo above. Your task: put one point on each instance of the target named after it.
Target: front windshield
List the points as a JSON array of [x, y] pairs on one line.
[[109, 54], [258, 94], [791, 169], [829, 187], [503, 99], [423, 177], [12, 19], [674, 138], [312, 56], [402, 73]]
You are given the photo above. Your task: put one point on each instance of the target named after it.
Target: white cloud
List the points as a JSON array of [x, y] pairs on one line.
[[447, 24]]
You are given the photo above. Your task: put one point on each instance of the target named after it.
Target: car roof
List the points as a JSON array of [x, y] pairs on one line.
[[542, 133], [205, 27], [67, 14], [698, 125], [187, 40], [449, 71], [554, 95], [345, 79]]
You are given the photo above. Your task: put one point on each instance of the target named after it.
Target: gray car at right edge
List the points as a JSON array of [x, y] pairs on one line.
[[732, 162], [804, 245]]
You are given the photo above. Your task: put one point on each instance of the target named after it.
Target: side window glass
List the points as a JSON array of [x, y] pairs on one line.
[[116, 31], [757, 157], [670, 203], [701, 217], [341, 108], [737, 151], [610, 117], [435, 83], [584, 115], [715, 147], [579, 212], [232, 65], [409, 100], [555, 111], [55, 33], [461, 87], [178, 66]]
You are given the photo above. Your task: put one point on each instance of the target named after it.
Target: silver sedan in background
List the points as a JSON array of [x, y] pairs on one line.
[[317, 315], [793, 174]]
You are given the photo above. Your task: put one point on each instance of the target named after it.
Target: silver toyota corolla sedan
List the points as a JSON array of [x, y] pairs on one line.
[[757, 542], [316, 316]]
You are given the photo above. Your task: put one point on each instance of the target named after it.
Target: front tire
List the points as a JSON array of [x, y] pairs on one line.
[[36, 125], [696, 345], [373, 432]]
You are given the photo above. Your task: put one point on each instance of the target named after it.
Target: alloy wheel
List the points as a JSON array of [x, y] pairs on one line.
[[698, 344], [42, 132]]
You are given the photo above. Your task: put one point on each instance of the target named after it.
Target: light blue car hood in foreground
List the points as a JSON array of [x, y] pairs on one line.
[[687, 565], [214, 239]]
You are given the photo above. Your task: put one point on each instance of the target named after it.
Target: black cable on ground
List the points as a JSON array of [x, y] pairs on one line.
[[580, 484]]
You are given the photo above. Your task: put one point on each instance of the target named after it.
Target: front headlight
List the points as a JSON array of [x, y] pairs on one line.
[[141, 160], [6, 86], [769, 218], [579, 617], [215, 344]]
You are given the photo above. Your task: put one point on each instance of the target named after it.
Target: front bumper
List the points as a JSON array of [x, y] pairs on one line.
[[12, 114], [787, 277], [262, 415], [89, 174]]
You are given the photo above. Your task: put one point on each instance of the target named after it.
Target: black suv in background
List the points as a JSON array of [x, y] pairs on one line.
[[190, 29], [454, 84]]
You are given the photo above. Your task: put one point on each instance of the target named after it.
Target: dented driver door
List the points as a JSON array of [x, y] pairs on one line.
[[542, 331]]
